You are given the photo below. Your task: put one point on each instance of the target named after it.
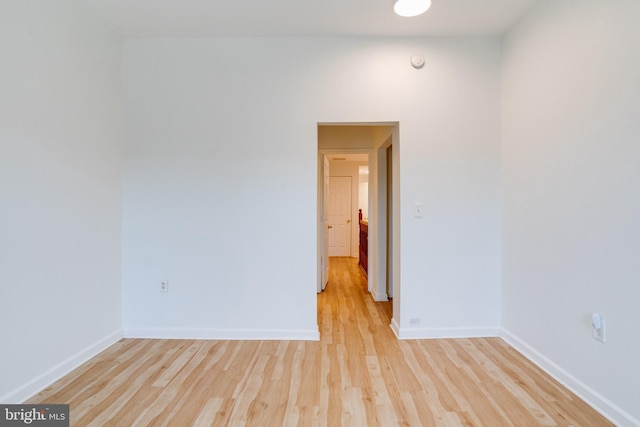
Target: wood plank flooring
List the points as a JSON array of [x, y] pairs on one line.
[[357, 375]]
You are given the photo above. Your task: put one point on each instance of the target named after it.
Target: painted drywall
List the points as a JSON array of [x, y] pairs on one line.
[[363, 191], [220, 178], [341, 136], [571, 217], [60, 191]]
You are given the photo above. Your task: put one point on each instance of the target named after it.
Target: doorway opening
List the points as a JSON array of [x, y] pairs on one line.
[[360, 160]]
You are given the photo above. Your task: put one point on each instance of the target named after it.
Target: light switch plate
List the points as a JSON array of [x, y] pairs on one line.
[[417, 210]]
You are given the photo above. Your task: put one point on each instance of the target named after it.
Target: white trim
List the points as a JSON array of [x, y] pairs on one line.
[[395, 327], [378, 224], [52, 375], [604, 406], [225, 334], [379, 297], [441, 333]]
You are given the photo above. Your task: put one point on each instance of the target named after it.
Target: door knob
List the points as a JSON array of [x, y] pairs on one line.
[[348, 221], [330, 226]]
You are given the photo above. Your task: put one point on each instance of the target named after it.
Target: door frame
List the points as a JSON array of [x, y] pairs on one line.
[[322, 153], [377, 277], [383, 249], [323, 252]]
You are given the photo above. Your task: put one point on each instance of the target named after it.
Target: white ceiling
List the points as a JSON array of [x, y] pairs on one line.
[[216, 18]]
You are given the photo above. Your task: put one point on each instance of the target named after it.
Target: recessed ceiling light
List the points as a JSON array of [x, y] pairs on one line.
[[410, 8]]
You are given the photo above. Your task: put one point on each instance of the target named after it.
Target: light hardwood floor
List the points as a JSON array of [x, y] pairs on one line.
[[357, 375]]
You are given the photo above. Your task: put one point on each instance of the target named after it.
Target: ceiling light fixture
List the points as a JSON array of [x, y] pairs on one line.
[[411, 7]]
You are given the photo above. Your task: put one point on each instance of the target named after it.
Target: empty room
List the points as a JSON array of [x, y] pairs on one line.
[[163, 222]]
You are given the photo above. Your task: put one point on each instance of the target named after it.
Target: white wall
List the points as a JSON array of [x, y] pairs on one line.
[[346, 136], [363, 191], [571, 218], [220, 179], [60, 192]]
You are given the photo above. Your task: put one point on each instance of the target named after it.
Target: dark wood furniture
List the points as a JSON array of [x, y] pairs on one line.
[[363, 254]]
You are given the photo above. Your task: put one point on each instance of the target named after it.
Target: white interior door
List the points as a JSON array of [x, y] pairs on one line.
[[339, 216], [325, 219]]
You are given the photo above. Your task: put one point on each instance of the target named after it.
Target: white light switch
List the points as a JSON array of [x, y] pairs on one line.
[[417, 210]]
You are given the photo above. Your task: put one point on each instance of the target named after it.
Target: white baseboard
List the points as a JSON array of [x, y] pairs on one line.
[[225, 334], [608, 409], [395, 327], [379, 297], [52, 375], [441, 333]]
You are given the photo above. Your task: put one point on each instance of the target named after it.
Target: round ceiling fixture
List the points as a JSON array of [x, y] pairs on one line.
[[410, 8], [417, 61]]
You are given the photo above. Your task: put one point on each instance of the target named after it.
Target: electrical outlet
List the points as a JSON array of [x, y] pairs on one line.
[[164, 286], [600, 334]]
